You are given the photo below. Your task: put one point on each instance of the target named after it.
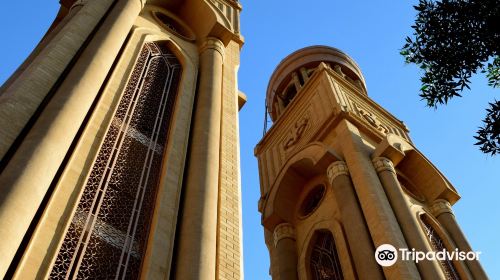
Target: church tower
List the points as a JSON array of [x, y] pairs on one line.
[[339, 177], [119, 145]]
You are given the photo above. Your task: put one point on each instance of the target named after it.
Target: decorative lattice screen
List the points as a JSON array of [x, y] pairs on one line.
[[108, 233]]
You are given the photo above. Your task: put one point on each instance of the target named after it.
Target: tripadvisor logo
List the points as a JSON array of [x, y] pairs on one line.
[[387, 255]]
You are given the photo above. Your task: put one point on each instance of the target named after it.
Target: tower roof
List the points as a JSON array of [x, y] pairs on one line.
[[308, 58]]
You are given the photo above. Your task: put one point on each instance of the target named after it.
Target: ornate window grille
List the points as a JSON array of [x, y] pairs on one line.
[[438, 245], [108, 233], [324, 262]]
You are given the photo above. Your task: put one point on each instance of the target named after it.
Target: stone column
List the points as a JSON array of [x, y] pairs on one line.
[[196, 258], [441, 209], [28, 175], [379, 216], [286, 250], [412, 230], [358, 236], [38, 76]]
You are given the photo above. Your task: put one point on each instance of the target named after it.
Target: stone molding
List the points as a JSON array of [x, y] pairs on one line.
[[284, 230], [213, 43], [439, 207], [336, 169], [383, 164]]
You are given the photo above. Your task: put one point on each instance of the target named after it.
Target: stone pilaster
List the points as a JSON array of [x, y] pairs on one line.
[[198, 232], [357, 234], [286, 250], [378, 213], [412, 231], [441, 209]]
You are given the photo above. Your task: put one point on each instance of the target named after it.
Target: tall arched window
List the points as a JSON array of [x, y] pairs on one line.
[[324, 262], [438, 245], [108, 233]]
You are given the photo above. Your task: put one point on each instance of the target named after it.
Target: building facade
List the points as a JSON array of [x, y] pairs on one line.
[[339, 177], [119, 145]]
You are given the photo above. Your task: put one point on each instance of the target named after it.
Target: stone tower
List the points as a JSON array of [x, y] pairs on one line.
[[119, 145], [339, 176]]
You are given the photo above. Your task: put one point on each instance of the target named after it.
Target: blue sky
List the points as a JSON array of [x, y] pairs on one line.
[[371, 32]]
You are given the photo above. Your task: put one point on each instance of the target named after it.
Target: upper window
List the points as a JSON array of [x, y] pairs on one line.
[[324, 262], [173, 25]]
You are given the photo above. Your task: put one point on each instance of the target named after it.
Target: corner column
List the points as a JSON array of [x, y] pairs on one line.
[[412, 230], [198, 233], [358, 236], [286, 251], [378, 213], [441, 209]]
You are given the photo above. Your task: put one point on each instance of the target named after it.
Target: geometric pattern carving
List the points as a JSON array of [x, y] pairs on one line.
[[324, 261], [107, 236]]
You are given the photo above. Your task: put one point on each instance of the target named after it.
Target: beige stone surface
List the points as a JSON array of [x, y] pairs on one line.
[[92, 73], [324, 123], [32, 169]]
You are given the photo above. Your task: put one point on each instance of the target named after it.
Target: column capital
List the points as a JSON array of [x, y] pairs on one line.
[[213, 43], [383, 164], [284, 230], [336, 169], [440, 206]]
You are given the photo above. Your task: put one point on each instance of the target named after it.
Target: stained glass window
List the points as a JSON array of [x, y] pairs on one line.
[[108, 232], [324, 260]]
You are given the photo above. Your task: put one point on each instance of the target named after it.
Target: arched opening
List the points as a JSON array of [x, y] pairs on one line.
[[109, 230], [323, 261]]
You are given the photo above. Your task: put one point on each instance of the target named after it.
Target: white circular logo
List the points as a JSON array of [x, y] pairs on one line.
[[386, 255]]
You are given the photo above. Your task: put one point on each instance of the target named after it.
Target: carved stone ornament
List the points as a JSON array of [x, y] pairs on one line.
[[296, 133], [372, 119], [383, 164], [336, 169], [439, 207], [284, 230]]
